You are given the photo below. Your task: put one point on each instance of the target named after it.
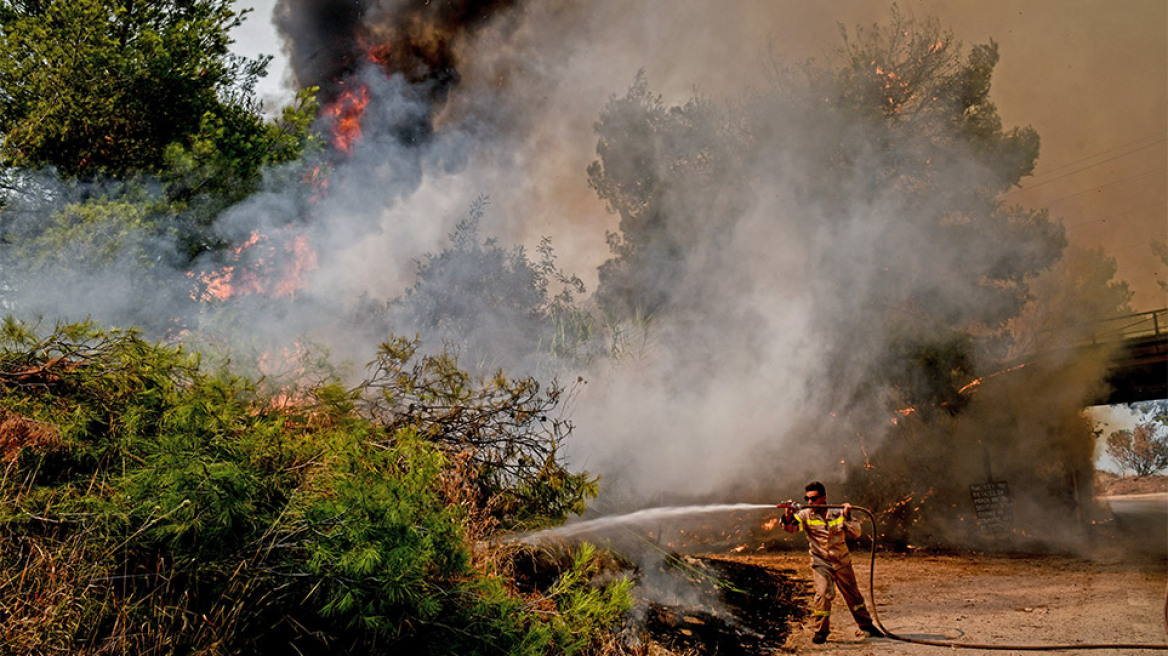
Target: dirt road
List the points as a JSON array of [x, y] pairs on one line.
[[996, 600], [1112, 595]]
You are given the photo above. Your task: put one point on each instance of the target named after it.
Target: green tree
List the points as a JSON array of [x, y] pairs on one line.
[[495, 303], [104, 87], [882, 170], [665, 170], [126, 128], [235, 522]]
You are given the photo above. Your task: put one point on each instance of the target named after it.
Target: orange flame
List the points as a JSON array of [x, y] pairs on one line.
[[318, 179], [346, 112], [303, 261], [265, 272]]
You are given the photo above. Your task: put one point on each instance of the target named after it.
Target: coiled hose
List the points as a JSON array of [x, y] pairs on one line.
[[972, 645]]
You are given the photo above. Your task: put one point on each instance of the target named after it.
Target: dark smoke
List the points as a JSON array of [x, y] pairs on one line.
[[329, 43]]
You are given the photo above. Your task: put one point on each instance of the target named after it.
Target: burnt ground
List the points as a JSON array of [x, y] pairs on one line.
[[722, 606]]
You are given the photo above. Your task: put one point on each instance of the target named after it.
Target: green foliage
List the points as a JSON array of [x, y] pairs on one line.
[[665, 171], [223, 162], [96, 86], [126, 128], [495, 304], [586, 610], [149, 506], [385, 534], [882, 170]]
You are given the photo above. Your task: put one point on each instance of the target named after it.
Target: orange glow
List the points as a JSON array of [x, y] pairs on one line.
[[770, 524], [318, 179], [378, 54], [346, 112], [902, 413], [267, 271], [303, 262], [975, 383]]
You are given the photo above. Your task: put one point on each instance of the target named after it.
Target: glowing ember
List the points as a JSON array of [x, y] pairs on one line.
[[318, 179], [977, 382], [902, 413]]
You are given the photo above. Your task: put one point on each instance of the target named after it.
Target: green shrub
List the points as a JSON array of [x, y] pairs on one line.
[[148, 506]]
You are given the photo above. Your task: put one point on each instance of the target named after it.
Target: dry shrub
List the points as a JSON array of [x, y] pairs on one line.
[[18, 432]]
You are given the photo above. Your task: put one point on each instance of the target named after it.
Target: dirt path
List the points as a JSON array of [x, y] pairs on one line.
[[994, 599]]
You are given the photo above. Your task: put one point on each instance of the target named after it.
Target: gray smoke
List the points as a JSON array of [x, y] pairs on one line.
[[757, 374]]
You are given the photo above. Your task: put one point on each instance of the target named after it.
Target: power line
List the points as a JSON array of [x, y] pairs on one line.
[[1101, 187], [1077, 224], [1158, 141]]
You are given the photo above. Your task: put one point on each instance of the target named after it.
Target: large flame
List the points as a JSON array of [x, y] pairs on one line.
[[345, 113]]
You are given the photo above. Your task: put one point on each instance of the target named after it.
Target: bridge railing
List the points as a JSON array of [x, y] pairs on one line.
[[1139, 325]]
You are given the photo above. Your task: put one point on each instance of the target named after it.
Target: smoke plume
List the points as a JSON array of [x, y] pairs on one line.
[[784, 287]]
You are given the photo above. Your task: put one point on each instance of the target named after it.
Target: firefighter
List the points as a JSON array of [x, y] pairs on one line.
[[827, 531]]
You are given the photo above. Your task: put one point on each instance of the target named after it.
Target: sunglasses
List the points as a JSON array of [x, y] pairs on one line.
[[812, 497]]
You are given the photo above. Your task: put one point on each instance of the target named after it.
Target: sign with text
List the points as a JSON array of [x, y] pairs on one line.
[[992, 503]]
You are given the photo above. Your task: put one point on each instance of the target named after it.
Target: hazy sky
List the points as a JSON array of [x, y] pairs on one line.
[[1089, 75]]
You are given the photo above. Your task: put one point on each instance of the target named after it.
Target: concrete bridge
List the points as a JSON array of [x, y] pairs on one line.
[[1139, 370]]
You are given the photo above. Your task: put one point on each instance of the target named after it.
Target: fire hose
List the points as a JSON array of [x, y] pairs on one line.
[[968, 645]]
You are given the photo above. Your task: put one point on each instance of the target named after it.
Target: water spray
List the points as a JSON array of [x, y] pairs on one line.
[[794, 506], [642, 516]]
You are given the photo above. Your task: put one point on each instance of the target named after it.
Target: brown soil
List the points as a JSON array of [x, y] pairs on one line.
[[995, 599], [1115, 592]]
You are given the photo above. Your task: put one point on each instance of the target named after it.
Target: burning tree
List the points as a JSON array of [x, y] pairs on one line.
[[127, 129]]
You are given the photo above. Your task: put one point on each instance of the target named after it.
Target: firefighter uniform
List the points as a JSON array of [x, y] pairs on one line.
[[831, 565]]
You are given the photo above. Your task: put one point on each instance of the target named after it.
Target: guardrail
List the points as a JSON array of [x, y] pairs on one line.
[[1139, 325]]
